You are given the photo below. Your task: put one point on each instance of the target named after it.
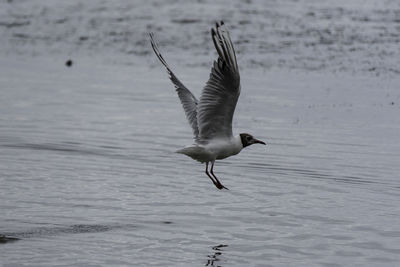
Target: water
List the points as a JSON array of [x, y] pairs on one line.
[[88, 173]]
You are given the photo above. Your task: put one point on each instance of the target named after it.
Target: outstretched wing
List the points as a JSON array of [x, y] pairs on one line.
[[188, 100], [220, 95]]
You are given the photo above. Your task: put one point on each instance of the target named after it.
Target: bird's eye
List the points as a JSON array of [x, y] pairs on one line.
[[248, 138]]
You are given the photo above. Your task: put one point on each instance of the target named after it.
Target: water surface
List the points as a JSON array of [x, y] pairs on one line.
[[89, 177]]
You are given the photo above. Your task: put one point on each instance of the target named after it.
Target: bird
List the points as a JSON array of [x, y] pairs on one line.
[[211, 117]]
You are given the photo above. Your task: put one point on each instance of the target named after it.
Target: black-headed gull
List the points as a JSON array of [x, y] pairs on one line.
[[211, 117]]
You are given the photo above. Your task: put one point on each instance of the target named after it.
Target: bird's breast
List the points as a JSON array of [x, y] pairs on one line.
[[225, 149]]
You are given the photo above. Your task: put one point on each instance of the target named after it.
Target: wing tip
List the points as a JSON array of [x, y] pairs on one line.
[[223, 45], [213, 33]]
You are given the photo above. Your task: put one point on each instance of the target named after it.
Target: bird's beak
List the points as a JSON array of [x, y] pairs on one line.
[[256, 141]]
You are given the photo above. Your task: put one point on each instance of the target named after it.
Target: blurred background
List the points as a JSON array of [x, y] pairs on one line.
[[349, 36]]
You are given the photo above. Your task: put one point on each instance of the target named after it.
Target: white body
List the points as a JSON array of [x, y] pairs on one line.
[[216, 149]]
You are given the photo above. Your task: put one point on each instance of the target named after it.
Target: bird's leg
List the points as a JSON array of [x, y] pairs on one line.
[[220, 186], [217, 184]]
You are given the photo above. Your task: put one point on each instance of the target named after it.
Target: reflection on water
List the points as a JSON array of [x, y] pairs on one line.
[[213, 259]]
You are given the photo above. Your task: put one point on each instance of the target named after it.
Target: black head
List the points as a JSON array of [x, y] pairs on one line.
[[248, 139]]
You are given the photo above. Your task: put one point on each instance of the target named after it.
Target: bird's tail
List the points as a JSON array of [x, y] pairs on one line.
[[197, 153]]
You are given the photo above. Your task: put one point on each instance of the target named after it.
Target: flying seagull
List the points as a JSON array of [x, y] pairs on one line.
[[211, 117]]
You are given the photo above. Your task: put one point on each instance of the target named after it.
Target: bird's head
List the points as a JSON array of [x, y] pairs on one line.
[[248, 139]]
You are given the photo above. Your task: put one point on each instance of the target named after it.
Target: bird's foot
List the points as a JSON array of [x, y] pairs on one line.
[[220, 186]]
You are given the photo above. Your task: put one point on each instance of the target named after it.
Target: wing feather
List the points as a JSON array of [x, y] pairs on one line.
[[188, 100], [220, 95]]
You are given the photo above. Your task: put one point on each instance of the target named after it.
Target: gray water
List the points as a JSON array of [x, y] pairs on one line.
[[88, 173]]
